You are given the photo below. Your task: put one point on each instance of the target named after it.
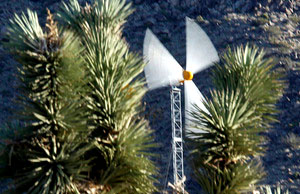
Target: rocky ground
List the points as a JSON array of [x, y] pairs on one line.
[[270, 24]]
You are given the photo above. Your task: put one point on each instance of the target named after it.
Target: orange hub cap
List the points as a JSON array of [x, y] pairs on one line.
[[187, 75]]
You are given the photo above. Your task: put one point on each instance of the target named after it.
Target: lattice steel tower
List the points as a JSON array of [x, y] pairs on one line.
[[177, 143], [163, 70]]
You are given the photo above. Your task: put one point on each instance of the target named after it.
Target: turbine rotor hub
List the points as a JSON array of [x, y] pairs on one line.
[[187, 75]]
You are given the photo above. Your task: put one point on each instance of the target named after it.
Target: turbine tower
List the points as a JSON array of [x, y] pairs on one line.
[[163, 70]]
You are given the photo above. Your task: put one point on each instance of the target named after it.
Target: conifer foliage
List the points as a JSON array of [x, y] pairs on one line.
[[80, 129], [241, 106]]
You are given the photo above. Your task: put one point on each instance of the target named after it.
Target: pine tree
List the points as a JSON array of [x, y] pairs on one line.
[[241, 106]]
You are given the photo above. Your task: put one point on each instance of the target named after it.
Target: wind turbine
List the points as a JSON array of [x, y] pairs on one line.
[[163, 70]]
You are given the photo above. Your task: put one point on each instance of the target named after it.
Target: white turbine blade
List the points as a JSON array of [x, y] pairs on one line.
[[192, 97], [161, 69], [200, 52]]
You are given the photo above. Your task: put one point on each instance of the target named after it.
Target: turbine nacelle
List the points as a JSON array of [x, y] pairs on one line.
[[187, 75]]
